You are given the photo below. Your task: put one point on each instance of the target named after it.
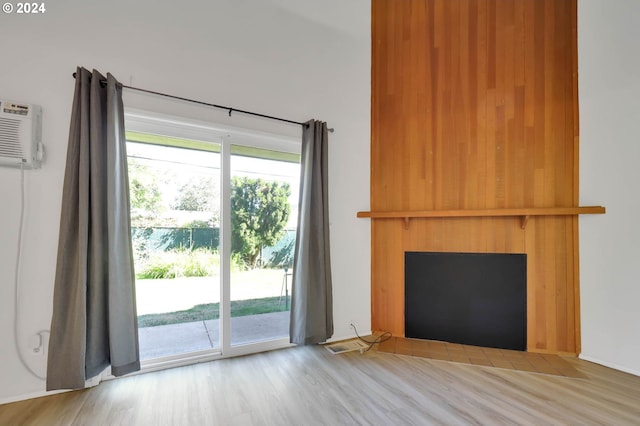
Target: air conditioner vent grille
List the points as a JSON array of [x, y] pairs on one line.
[[10, 144], [20, 135]]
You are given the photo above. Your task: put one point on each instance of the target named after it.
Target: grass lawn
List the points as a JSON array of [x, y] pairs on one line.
[[177, 294], [210, 311]]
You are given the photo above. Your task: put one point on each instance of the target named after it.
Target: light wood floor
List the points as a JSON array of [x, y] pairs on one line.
[[310, 386]]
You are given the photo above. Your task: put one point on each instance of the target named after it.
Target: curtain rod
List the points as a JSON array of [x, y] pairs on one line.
[[230, 109]]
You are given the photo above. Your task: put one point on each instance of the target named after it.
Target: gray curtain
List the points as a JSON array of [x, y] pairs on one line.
[[94, 323], [311, 298]]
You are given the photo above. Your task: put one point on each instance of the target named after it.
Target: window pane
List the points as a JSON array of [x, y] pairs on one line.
[[175, 211], [264, 192]]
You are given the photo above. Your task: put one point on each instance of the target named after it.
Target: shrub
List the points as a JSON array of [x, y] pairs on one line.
[[182, 262], [238, 263]]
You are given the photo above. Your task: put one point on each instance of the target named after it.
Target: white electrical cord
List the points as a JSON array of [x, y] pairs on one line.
[[17, 287]]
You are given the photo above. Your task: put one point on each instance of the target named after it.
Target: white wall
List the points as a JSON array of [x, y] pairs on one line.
[[290, 58], [609, 90]]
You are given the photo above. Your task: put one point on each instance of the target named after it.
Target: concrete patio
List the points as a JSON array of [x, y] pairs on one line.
[[166, 340], [171, 295]]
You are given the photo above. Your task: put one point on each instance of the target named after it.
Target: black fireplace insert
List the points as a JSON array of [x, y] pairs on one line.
[[475, 299]]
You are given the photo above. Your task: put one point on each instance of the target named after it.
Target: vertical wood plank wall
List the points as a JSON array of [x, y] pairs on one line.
[[474, 105]]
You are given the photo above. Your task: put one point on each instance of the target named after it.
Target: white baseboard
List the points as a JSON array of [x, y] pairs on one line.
[[609, 364], [348, 336], [31, 395], [39, 394]]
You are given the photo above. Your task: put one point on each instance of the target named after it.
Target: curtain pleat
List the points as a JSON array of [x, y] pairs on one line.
[[94, 322], [311, 298]]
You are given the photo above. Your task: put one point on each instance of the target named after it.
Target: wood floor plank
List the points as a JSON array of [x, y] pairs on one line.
[[308, 385]]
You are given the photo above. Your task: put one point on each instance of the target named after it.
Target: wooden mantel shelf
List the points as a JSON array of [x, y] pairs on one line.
[[523, 213]]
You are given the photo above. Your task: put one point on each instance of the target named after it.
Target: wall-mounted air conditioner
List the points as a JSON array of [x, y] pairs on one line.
[[20, 135]]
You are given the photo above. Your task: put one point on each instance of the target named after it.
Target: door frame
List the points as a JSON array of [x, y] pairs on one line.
[[225, 136]]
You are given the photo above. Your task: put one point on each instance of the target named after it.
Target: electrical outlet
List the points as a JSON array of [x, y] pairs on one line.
[[36, 344]]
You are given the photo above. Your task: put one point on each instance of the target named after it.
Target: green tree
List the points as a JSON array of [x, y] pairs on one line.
[[144, 195], [143, 187], [259, 212], [145, 198], [198, 195]]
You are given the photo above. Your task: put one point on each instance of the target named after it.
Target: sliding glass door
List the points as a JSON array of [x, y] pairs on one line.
[[263, 218], [175, 213], [213, 219]]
